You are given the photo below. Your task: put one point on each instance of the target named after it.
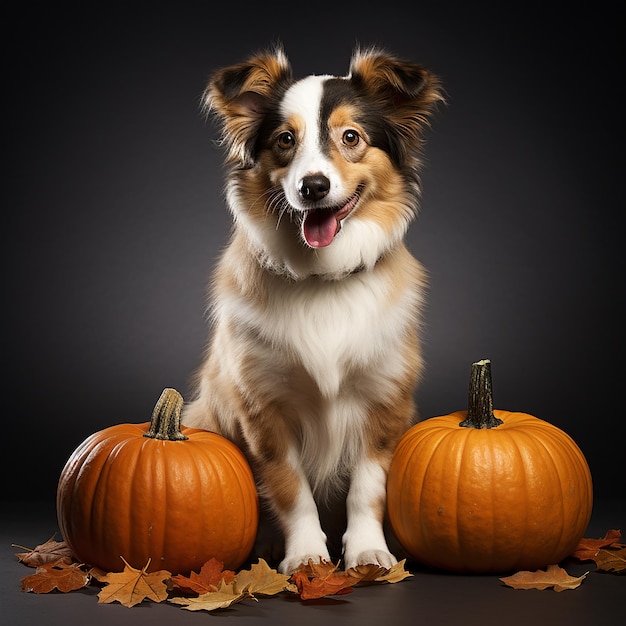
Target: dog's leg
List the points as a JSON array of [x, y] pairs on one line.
[[297, 514], [364, 540]]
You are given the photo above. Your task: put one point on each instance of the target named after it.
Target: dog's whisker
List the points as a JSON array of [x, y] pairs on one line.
[[277, 204], [262, 197]]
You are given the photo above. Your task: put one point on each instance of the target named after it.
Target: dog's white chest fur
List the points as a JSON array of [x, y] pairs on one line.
[[338, 331], [325, 351]]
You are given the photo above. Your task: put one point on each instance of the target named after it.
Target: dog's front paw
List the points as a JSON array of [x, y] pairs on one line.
[[291, 564], [381, 558]]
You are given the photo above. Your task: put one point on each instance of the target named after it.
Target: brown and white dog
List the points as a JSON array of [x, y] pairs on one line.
[[315, 356]]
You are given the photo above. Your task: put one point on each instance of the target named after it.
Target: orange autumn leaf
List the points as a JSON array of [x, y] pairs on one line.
[[366, 574], [133, 586], [59, 575], [317, 580], [587, 549], [611, 560], [314, 588], [211, 574], [554, 576], [318, 570], [47, 552]]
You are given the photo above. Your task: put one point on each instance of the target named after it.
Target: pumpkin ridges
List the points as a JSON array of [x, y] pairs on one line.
[[540, 476], [422, 472], [476, 522], [518, 502], [100, 535], [150, 476], [416, 464], [455, 539], [558, 501], [235, 545], [569, 465], [102, 516], [179, 512], [111, 494], [578, 475]]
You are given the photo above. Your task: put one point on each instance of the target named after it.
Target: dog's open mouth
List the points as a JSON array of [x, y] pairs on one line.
[[321, 225]]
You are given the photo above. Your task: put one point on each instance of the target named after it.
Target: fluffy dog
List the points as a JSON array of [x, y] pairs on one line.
[[314, 355]]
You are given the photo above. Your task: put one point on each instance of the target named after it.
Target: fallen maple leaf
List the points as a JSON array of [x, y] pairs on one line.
[[370, 574], [611, 560], [316, 580], [262, 580], [587, 549], [47, 552], [314, 588], [211, 574], [395, 574], [554, 576], [364, 574], [59, 575], [133, 586], [223, 597], [318, 570]]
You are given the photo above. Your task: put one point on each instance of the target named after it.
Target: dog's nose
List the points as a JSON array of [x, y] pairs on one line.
[[314, 187]]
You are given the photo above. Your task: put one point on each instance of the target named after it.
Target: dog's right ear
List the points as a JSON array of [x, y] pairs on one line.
[[239, 96]]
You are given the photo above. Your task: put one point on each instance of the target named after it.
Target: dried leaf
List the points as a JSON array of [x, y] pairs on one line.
[[370, 574], [99, 574], [554, 576], [318, 570], [611, 560], [223, 597], [47, 552], [395, 574], [211, 575], [133, 586], [262, 580], [587, 549], [59, 575], [364, 574], [314, 588], [316, 580]]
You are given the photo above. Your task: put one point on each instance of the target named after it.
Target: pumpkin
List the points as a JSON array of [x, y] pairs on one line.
[[487, 491], [157, 491]]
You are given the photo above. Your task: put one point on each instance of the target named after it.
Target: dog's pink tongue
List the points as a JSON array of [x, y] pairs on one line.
[[320, 227]]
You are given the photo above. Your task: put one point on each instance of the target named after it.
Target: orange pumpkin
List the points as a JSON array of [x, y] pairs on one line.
[[177, 496], [488, 491]]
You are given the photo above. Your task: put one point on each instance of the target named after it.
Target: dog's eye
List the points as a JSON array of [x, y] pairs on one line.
[[350, 138], [286, 140]]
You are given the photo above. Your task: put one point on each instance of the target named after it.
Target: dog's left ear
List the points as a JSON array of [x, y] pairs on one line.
[[239, 97], [406, 92]]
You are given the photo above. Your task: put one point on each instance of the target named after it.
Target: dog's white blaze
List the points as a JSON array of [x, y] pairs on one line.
[[303, 99]]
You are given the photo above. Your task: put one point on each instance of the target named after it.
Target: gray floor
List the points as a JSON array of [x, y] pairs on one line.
[[427, 598]]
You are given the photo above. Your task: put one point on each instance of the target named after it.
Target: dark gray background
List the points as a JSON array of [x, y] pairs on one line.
[[114, 216]]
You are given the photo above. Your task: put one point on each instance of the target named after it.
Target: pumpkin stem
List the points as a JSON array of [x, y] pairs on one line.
[[165, 422], [480, 398]]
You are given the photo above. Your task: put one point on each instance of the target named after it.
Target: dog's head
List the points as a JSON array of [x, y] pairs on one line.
[[324, 175]]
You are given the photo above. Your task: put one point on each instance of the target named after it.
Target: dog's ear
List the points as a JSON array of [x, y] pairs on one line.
[[405, 93], [240, 95]]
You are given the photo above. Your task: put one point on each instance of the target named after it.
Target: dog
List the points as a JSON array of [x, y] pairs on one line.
[[316, 301]]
